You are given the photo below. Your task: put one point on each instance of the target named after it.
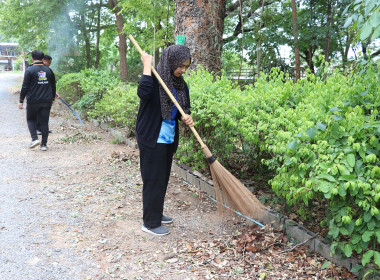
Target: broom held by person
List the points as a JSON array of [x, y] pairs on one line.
[[157, 130]]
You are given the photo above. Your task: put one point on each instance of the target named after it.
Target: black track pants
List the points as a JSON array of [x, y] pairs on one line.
[[155, 165], [40, 111]]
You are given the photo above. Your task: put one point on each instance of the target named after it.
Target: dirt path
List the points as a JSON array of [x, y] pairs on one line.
[[74, 212]]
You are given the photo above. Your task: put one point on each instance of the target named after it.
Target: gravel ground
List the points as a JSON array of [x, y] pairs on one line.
[[74, 212]]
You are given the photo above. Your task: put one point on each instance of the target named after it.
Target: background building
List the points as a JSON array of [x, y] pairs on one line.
[[9, 53]]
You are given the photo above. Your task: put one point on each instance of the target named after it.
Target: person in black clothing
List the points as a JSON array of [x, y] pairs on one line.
[[47, 62], [157, 130], [39, 89]]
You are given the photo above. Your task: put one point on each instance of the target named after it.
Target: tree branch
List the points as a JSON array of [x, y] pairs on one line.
[[376, 53], [299, 244], [235, 6]]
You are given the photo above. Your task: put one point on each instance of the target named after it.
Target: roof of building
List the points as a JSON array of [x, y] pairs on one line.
[[8, 47], [9, 44]]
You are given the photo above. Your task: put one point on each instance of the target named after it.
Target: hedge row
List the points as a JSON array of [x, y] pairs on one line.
[[319, 137]]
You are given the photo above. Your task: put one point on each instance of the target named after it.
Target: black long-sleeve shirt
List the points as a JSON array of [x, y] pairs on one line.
[[149, 117], [39, 84]]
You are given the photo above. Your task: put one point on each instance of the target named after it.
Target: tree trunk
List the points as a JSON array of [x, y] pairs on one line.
[[258, 64], [309, 59], [364, 50], [97, 58], [344, 43], [295, 34], [156, 55], [344, 52], [330, 17], [202, 23], [86, 41], [122, 39]]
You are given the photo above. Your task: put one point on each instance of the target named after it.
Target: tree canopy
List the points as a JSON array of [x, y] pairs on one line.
[[255, 34]]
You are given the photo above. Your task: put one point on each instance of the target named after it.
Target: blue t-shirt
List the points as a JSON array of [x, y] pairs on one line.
[[167, 131]]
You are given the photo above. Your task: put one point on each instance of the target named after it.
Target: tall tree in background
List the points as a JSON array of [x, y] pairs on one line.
[[97, 57], [329, 24], [258, 25], [122, 39], [151, 23], [258, 63], [295, 34], [25, 21], [202, 23]]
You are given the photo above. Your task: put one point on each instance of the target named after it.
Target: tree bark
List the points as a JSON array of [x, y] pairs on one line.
[[309, 53], [97, 57], [330, 18], [258, 64], [122, 39], [295, 34], [202, 23], [86, 41], [364, 50]]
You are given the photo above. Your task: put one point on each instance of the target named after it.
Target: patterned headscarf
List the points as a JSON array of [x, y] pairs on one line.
[[172, 57]]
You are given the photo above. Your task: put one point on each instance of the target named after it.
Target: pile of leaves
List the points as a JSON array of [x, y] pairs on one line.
[[256, 254]]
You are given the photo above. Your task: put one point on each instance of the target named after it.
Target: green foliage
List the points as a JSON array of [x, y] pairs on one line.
[[24, 20], [365, 16], [337, 159], [151, 22], [86, 88], [118, 107], [68, 86], [321, 138], [100, 95]]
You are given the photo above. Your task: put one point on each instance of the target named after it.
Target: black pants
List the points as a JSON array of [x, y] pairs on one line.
[[155, 165], [40, 111], [38, 124]]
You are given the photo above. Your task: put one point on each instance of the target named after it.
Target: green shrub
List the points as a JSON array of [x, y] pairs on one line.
[[95, 84], [321, 138], [337, 159], [118, 107], [68, 86], [86, 88]]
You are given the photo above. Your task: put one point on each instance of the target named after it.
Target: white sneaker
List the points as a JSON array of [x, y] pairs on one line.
[[34, 144], [43, 148]]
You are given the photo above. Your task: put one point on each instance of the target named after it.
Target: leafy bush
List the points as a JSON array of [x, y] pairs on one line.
[[321, 138], [86, 87], [337, 159], [68, 86], [118, 107], [95, 84]]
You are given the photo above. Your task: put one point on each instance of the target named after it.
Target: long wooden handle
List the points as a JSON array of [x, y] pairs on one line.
[[203, 146]]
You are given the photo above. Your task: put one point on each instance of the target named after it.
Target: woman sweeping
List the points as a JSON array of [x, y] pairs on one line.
[[157, 130]]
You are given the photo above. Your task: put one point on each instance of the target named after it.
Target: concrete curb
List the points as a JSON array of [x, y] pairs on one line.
[[290, 227]]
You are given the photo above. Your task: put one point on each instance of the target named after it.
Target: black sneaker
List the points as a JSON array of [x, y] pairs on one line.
[[43, 148], [161, 230], [166, 220], [40, 133], [34, 144]]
